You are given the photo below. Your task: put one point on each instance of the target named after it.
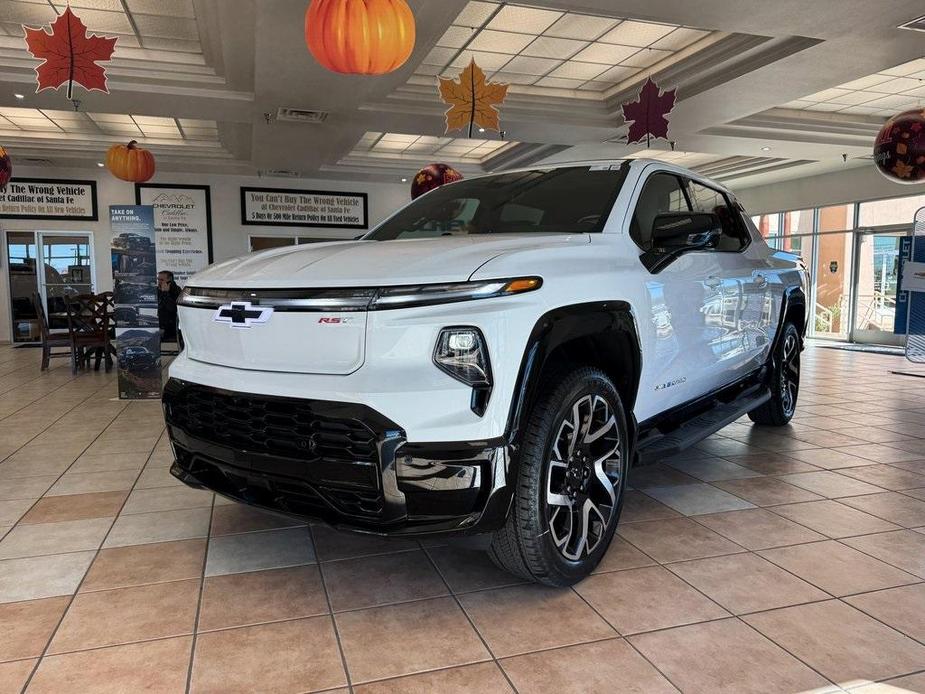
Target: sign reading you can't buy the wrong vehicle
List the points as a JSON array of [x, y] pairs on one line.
[[45, 198], [304, 208]]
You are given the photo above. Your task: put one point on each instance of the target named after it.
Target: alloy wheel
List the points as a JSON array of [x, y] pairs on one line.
[[584, 475], [790, 374]]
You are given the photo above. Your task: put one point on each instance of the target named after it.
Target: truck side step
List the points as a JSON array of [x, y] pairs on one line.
[[695, 430]]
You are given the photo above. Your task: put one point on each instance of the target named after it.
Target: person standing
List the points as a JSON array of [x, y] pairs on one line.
[[167, 294]]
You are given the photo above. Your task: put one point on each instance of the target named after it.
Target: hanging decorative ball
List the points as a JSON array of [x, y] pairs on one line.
[[6, 169], [362, 37], [899, 150], [130, 162], [433, 176]]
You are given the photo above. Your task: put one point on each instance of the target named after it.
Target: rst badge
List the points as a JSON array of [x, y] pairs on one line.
[[241, 314]]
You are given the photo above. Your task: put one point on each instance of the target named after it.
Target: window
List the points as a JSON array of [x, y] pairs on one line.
[[567, 200], [891, 211], [661, 193], [706, 199]]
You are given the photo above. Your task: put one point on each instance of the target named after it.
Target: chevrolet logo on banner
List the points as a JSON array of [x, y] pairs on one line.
[[241, 314]]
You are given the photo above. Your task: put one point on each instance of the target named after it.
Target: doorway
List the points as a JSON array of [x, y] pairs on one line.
[[876, 276], [67, 269]]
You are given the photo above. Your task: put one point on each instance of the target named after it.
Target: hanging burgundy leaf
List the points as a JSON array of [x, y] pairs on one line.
[[648, 115], [69, 54]]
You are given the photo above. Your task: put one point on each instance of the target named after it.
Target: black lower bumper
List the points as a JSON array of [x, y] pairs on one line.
[[341, 463]]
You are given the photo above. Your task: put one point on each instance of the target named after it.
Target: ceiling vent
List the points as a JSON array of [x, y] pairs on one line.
[[301, 115], [915, 24], [279, 173]]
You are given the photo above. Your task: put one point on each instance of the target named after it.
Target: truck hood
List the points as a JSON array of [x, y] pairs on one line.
[[373, 263]]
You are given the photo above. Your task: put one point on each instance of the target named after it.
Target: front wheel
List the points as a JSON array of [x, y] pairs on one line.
[[571, 475], [785, 381]]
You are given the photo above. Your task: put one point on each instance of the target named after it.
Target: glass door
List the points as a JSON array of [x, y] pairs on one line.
[[67, 259], [22, 253], [876, 278]]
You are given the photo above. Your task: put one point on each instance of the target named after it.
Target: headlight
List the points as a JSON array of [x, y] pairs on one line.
[[461, 353], [426, 294]]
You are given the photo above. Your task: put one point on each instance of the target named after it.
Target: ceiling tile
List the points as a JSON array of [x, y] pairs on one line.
[[14, 111], [594, 86], [110, 5], [177, 45], [500, 42], [476, 14], [797, 104], [853, 98], [918, 91], [103, 21], [455, 37], [824, 106], [827, 94], [399, 137], [196, 123], [865, 82], [606, 53], [171, 8], [617, 74], [111, 118], [439, 56], [581, 26], [144, 121], [680, 38], [559, 83], [432, 70], [895, 85], [906, 68], [862, 110], [550, 47], [571, 69], [898, 101], [525, 20], [485, 60], [166, 27], [531, 66], [513, 78], [632, 33], [646, 57], [26, 13]]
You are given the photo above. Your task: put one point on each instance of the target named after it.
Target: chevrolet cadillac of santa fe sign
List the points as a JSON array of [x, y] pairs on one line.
[[304, 208]]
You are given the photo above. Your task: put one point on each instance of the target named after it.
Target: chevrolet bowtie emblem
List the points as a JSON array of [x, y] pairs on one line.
[[241, 314]]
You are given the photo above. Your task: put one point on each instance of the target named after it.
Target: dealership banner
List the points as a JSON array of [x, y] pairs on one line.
[[182, 227], [48, 198], [912, 281], [304, 208], [134, 279]]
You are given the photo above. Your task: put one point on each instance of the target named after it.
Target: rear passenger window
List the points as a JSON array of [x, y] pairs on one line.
[[705, 199], [661, 193]]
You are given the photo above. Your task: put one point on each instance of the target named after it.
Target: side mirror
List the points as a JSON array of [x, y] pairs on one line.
[[674, 232]]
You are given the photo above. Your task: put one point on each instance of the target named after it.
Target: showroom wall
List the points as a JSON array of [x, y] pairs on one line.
[[229, 236]]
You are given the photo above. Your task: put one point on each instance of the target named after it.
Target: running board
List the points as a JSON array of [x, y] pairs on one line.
[[699, 428]]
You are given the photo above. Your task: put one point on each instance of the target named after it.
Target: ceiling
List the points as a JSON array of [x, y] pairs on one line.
[[765, 92]]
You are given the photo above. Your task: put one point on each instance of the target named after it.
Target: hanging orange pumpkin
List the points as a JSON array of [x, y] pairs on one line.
[[130, 162], [364, 37]]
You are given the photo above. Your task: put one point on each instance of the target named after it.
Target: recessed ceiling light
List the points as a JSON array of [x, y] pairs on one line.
[[100, 164], [404, 180], [765, 149], [20, 96]]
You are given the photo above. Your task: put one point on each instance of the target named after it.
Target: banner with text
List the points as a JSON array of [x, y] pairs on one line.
[[45, 198], [182, 227], [134, 279], [304, 208]]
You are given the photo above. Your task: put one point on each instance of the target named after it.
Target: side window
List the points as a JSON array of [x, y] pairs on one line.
[[704, 199], [662, 192]]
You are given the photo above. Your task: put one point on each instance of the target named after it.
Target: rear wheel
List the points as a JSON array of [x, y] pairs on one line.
[[571, 474], [785, 381]]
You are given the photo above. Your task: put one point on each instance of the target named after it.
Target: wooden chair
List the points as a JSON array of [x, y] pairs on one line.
[[52, 338], [88, 317]]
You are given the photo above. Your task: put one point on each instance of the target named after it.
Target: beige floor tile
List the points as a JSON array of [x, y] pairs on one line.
[[87, 482], [696, 499], [42, 577], [294, 656], [834, 519], [646, 599], [398, 578], [466, 570], [746, 583], [485, 678], [12, 510], [904, 549], [90, 462], [899, 685], [772, 463], [409, 638], [887, 476], [163, 526], [53, 509], [13, 675], [882, 453], [725, 657], [639, 507], [27, 627], [713, 469], [767, 491], [842, 643], [166, 499], [828, 458], [154, 666], [124, 615], [676, 539], [891, 506], [517, 619], [612, 665], [54, 538], [830, 484], [261, 596], [657, 476], [136, 565], [25, 487], [758, 529], [901, 608], [622, 555], [836, 568], [239, 518], [267, 549], [157, 476], [332, 544]]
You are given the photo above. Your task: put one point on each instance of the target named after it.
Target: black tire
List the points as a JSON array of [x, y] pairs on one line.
[[548, 495], [784, 381]]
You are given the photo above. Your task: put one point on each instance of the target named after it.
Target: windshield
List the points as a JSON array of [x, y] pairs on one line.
[[563, 200]]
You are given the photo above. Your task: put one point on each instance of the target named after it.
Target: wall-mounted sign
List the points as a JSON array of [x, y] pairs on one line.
[[182, 226], [304, 208], [833, 266], [47, 198]]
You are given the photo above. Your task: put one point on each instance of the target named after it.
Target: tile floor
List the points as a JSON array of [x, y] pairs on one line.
[[788, 560]]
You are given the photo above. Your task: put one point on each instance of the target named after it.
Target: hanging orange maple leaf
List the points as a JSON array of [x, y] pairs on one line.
[[472, 100], [69, 54]]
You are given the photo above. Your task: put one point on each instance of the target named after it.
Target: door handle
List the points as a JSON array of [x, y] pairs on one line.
[[712, 282], [760, 280]]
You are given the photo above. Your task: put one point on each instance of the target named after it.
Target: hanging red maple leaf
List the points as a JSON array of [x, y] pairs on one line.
[[648, 115], [69, 54]]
